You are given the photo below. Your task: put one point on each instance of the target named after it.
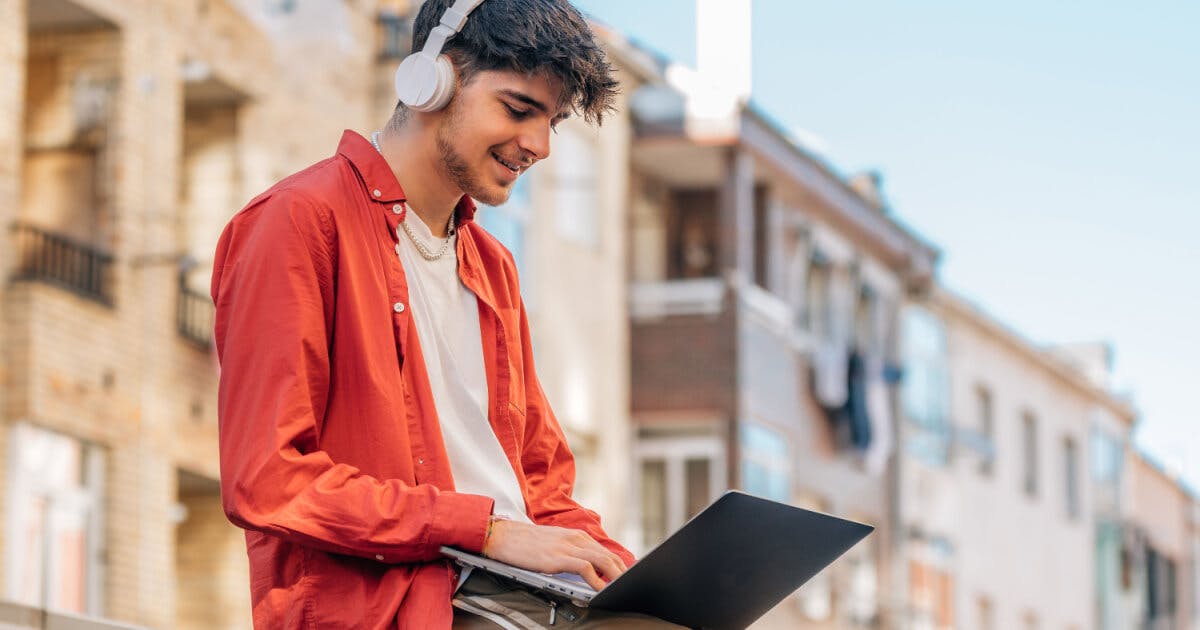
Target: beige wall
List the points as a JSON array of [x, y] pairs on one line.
[[1160, 506], [1023, 554], [576, 249], [211, 568], [1164, 512]]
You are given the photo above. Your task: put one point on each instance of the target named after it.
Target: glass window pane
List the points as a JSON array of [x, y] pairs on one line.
[[1071, 462], [654, 502], [765, 466], [699, 491], [983, 402], [1106, 458], [52, 501], [1029, 444], [925, 388], [762, 441]]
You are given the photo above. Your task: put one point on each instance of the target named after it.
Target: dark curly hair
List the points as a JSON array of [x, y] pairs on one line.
[[530, 37]]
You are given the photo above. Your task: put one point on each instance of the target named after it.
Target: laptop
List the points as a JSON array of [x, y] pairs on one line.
[[724, 568]]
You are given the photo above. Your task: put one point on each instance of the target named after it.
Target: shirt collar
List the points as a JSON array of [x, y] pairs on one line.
[[379, 179]]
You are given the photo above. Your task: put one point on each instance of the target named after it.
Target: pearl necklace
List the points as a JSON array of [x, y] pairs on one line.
[[422, 249]]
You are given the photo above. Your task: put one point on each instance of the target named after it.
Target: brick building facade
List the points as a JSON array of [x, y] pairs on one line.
[[130, 132]]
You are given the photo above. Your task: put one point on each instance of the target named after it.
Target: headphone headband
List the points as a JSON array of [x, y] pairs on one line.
[[451, 23]]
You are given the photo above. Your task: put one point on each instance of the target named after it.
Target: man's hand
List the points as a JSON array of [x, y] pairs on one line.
[[548, 549]]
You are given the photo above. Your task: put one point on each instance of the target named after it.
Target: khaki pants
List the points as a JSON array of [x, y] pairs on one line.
[[487, 602]]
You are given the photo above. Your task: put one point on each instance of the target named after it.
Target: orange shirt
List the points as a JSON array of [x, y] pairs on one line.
[[331, 454]]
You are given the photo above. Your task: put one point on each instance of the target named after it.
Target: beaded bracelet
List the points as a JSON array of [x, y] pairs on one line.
[[488, 536]]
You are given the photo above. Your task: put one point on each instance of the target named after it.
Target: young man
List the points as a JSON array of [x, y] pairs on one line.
[[378, 396]]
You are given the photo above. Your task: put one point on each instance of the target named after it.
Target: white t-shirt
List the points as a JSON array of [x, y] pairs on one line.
[[446, 314]]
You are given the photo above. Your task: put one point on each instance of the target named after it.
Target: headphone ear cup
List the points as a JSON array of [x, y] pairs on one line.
[[446, 81], [425, 82]]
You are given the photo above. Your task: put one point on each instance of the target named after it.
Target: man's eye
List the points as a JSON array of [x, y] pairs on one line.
[[518, 114]]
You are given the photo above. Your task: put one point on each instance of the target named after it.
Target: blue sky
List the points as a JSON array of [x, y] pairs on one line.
[[1049, 149]]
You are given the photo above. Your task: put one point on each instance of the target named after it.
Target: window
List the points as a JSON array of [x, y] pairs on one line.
[[1106, 458], [508, 222], [1110, 562], [797, 258], [1169, 588], [1071, 478], [931, 585], [576, 194], [762, 241], [816, 596], [1105, 455], [865, 322], [654, 502], [1029, 468], [55, 550], [984, 409], [765, 467], [1153, 585], [818, 306], [862, 595], [678, 477], [1160, 587], [925, 390], [692, 235]]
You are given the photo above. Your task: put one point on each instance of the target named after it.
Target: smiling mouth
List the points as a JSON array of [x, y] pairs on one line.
[[515, 167]]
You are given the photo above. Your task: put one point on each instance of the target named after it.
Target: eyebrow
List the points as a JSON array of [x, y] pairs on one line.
[[533, 102]]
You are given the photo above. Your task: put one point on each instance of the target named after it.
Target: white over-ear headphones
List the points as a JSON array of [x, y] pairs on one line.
[[425, 80]]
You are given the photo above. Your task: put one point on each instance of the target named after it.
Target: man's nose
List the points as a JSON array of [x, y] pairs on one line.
[[535, 142]]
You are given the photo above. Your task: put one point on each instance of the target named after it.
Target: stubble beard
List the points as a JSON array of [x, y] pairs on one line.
[[457, 168]]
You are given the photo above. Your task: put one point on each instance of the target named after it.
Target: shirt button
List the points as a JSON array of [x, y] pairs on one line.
[[397, 208], [420, 460], [379, 556], [398, 306], [376, 192]]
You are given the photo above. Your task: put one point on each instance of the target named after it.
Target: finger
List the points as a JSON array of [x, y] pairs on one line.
[[604, 562], [615, 568], [586, 571], [607, 565], [617, 559], [582, 539]]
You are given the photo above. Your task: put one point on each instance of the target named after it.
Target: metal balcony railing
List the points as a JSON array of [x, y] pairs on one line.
[[194, 315], [81, 268]]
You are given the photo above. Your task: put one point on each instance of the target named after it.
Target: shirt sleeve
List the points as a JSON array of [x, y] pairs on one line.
[[549, 465], [273, 286]]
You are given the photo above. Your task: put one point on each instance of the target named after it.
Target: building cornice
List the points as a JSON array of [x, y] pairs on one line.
[[952, 304]]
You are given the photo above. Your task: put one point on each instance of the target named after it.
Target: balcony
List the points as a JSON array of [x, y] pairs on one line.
[[194, 316], [656, 300], [50, 258], [682, 345]]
